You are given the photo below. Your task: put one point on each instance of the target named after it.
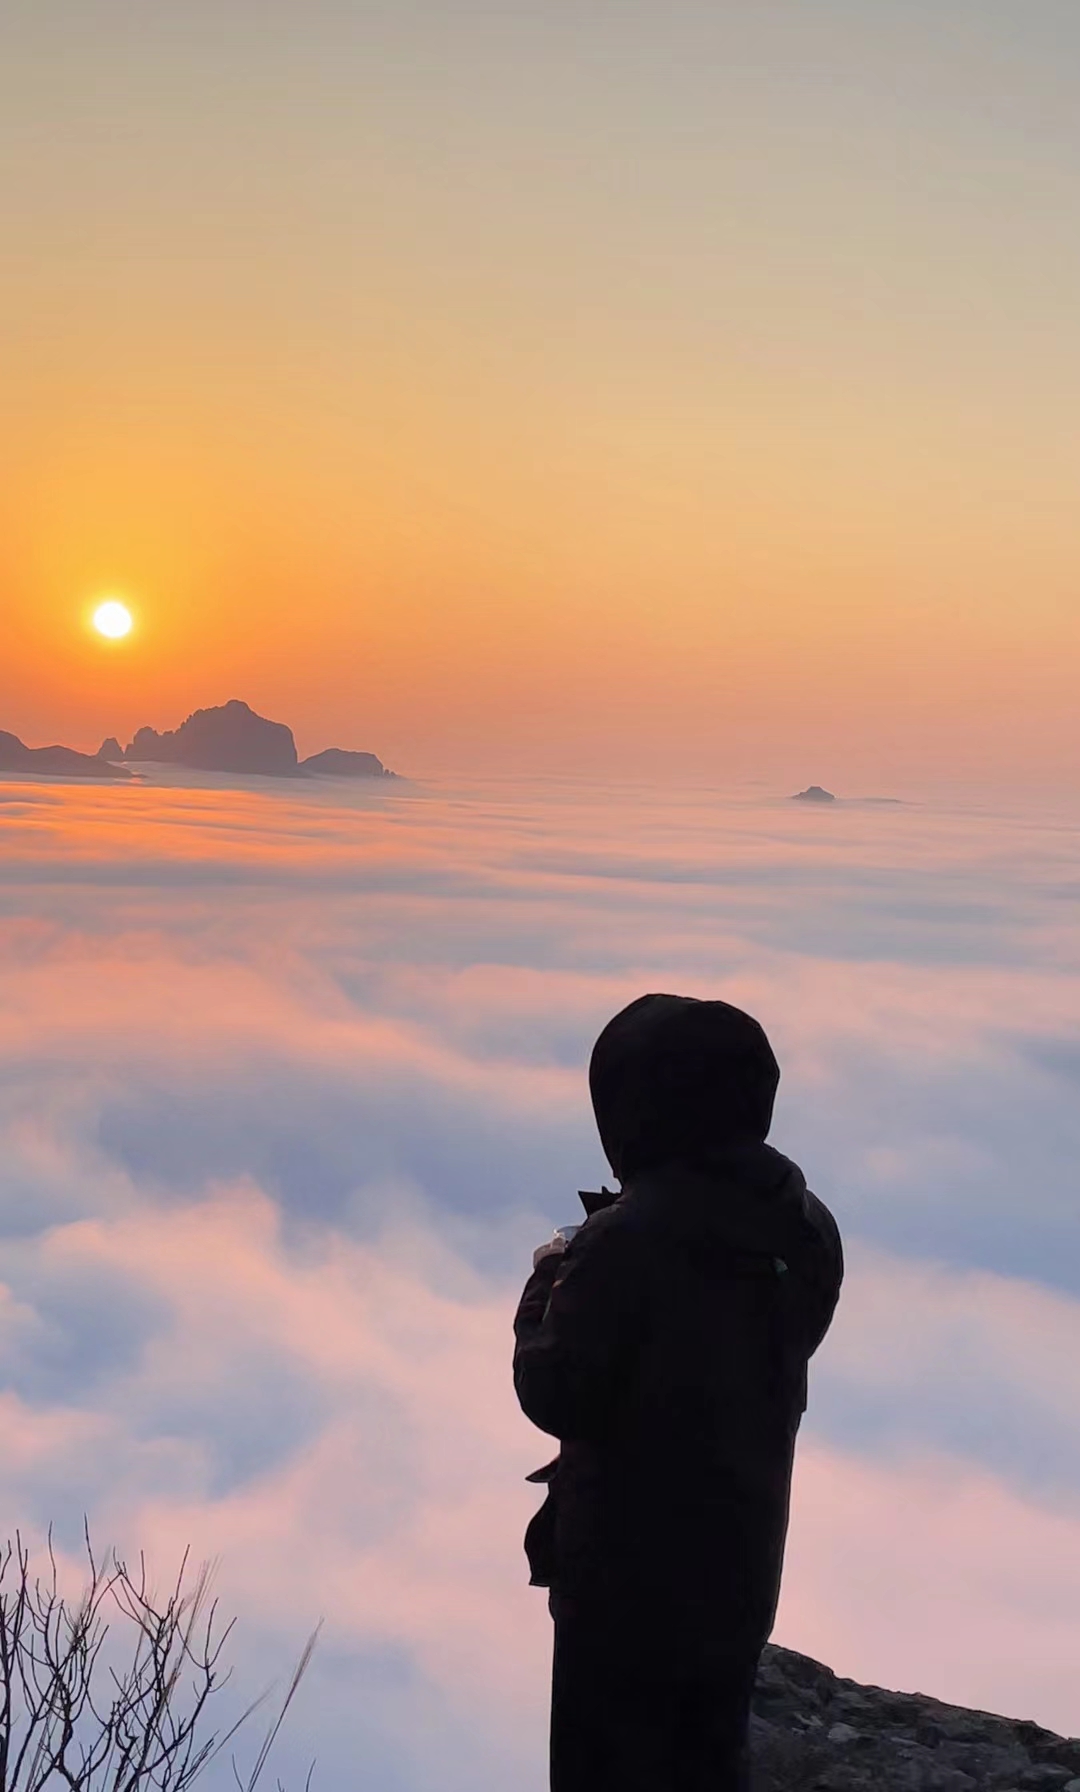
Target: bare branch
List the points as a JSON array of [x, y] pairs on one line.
[[72, 1717]]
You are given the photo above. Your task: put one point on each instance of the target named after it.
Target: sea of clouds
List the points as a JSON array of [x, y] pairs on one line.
[[291, 1084]]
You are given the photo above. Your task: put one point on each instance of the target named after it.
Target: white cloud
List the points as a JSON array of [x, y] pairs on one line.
[[290, 1088]]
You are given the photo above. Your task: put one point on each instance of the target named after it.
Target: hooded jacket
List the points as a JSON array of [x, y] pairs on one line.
[[667, 1346]]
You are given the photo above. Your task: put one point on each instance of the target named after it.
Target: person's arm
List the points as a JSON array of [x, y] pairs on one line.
[[824, 1271], [576, 1329]]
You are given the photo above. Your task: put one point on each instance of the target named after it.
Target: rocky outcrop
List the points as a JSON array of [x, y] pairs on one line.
[[339, 762], [56, 762], [230, 738], [12, 751], [813, 1731]]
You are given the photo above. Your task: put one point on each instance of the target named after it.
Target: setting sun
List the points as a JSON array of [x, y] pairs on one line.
[[112, 619]]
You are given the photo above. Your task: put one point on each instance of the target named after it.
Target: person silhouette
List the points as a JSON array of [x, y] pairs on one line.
[[666, 1346]]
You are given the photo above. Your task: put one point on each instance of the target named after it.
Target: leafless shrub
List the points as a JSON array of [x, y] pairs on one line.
[[71, 1717]]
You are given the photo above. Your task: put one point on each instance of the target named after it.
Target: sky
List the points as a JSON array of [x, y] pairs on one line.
[[615, 417], [292, 1082], [611, 390]]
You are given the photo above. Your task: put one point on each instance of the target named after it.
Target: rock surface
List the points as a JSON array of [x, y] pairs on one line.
[[813, 1731], [814, 794], [58, 762], [230, 738], [339, 762]]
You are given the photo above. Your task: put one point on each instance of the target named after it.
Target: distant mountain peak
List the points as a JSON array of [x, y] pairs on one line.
[[227, 737], [341, 762], [233, 737], [57, 762]]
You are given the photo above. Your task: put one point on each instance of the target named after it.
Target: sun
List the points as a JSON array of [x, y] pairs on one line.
[[113, 619]]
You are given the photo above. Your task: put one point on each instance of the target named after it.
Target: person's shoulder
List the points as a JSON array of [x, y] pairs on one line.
[[826, 1233], [821, 1216], [604, 1224], [614, 1214], [791, 1180], [612, 1232], [817, 1225]]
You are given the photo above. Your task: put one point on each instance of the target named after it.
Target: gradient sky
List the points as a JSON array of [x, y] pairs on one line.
[[617, 387]]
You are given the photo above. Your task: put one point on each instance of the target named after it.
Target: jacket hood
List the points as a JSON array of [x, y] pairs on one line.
[[678, 1080]]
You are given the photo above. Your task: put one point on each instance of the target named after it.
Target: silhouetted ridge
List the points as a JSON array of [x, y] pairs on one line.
[[814, 794], [230, 738], [233, 738], [339, 762], [63, 762], [811, 1728]]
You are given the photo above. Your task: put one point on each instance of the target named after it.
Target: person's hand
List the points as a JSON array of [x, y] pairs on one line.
[[553, 1247]]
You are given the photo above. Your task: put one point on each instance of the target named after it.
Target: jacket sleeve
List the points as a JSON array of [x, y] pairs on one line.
[[824, 1268], [576, 1331]]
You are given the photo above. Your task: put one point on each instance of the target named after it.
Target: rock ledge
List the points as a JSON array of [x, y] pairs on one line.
[[813, 1731]]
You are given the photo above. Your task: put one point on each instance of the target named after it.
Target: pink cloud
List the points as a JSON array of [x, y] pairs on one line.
[[408, 991], [918, 1571], [928, 1575]]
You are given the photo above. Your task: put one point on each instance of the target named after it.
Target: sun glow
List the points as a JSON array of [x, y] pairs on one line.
[[112, 619]]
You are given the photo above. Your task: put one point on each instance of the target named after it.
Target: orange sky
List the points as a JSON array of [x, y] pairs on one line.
[[694, 395]]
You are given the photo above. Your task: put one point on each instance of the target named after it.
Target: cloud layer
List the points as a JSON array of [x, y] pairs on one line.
[[290, 1085]]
